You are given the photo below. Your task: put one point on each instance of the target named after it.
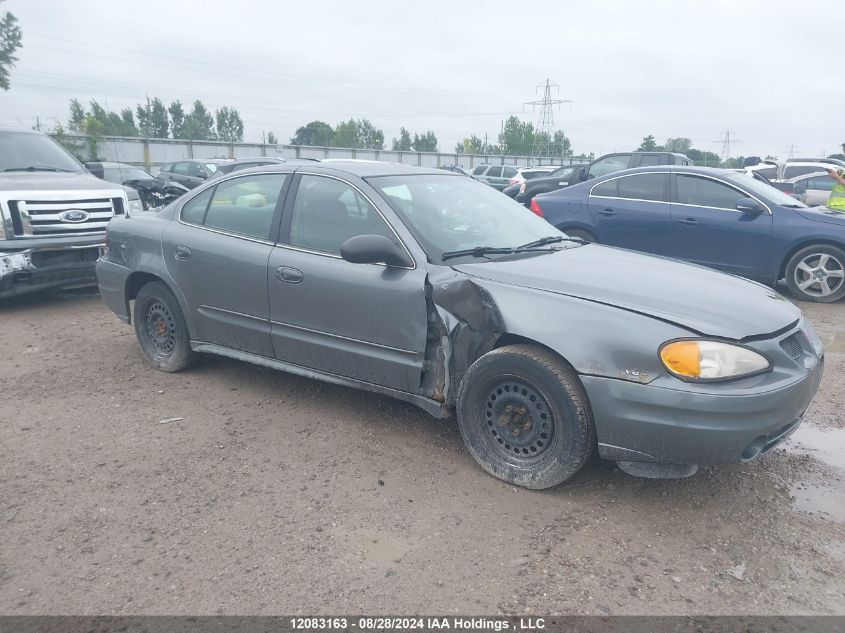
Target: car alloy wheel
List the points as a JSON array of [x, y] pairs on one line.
[[819, 274]]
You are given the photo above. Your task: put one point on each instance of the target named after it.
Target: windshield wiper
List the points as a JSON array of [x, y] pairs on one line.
[[480, 251], [37, 168], [551, 239]]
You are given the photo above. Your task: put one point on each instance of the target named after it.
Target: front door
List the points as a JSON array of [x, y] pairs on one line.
[[361, 321], [633, 212], [217, 252], [709, 230]]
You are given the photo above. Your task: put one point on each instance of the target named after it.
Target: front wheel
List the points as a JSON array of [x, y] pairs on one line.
[[524, 417], [161, 329], [817, 273]]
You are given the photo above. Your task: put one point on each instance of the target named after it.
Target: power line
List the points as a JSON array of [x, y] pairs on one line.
[[727, 143], [545, 130]]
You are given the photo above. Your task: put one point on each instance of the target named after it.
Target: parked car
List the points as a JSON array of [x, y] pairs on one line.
[[511, 191], [190, 173], [244, 163], [427, 287], [53, 214], [713, 217], [791, 169], [497, 176], [836, 162], [602, 166], [812, 189], [456, 169], [527, 173], [560, 177], [152, 193]]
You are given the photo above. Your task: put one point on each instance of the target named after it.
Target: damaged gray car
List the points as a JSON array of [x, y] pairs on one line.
[[437, 290]]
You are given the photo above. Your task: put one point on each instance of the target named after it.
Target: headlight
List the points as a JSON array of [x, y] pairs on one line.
[[135, 206], [711, 360]]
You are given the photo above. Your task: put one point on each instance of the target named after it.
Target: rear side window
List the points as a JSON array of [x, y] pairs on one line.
[[820, 183], [479, 170], [607, 188], [244, 206], [791, 172], [703, 192], [645, 187], [494, 172], [769, 172], [508, 172], [194, 169], [649, 160]]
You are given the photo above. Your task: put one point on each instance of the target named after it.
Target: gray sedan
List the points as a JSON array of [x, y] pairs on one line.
[[437, 290]]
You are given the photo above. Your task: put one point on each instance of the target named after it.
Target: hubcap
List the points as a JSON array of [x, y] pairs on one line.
[[819, 274], [160, 327], [519, 422]]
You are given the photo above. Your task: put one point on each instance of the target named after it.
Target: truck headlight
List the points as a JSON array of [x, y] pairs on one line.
[[702, 360]]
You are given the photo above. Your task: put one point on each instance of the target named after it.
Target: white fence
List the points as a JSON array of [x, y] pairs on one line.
[[152, 153]]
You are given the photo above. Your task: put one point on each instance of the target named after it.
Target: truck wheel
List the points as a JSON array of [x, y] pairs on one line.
[[524, 417], [161, 329], [817, 273]]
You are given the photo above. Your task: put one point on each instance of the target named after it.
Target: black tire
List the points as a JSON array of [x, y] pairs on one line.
[[581, 234], [524, 417], [161, 329], [820, 269]]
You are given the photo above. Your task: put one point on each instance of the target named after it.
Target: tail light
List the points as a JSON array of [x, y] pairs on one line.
[[536, 208], [514, 181]]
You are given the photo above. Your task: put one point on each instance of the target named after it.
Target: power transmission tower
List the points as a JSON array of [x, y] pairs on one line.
[[727, 143], [792, 151], [545, 130]]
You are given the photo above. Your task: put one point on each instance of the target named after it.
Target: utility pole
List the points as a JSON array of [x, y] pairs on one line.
[[545, 130], [149, 117], [727, 143]]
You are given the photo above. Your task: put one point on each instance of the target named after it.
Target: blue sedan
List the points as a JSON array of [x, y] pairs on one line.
[[714, 217]]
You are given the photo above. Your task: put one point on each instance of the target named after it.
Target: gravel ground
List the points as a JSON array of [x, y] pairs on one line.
[[268, 493]]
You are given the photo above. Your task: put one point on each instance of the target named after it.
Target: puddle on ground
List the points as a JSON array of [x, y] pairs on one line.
[[824, 498]]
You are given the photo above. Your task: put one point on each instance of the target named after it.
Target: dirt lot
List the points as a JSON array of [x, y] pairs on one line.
[[277, 494]]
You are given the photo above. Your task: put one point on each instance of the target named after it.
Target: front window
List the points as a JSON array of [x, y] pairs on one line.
[[609, 165], [768, 193], [23, 151], [446, 213], [210, 167], [121, 174]]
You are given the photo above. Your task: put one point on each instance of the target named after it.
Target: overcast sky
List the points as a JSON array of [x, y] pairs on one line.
[[771, 72]]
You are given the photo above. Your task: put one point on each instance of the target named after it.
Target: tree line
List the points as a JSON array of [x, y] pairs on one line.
[[683, 145]]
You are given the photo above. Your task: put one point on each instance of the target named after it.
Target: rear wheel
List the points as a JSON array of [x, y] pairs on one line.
[[524, 417], [161, 329], [580, 234], [817, 273]]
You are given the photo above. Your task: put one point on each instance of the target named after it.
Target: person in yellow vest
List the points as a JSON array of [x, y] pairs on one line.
[[837, 195]]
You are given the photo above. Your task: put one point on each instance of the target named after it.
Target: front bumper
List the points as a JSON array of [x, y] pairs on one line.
[[649, 423], [49, 266]]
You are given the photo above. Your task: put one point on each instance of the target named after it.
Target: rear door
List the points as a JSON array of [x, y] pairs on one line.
[[709, 230], [179, 173], [493, 175], [508, 173], [196, 175], [633, 212], [217, 252], [361, 321]]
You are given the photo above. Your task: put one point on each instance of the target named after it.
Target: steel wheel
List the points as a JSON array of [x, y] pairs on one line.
[[160, 326], [519, 421], [819, 274], [161, 329]]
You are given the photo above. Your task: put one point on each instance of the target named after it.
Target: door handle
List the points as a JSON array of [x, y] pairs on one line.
[[289, 275], [689, 221], [607, 212], [182, 253]]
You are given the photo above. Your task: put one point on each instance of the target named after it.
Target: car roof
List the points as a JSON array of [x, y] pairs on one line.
[[681, 169], [814, 174], [9, 128], [361, 169], [112, 164], [252, 159]]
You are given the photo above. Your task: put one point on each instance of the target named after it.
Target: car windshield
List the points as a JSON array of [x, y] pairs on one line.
[[448, 213], [767, 192], [122, 174], [23, 151]]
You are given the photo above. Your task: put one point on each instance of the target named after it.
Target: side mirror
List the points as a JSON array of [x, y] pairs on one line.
[[374, 249], [799, 189], [749, 206]]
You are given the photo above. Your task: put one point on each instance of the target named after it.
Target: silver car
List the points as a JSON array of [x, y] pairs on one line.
[[813, 189], [432, 288], [497, 176]]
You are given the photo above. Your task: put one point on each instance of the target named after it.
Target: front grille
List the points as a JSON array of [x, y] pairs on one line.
[[792, 346], [34, 218]]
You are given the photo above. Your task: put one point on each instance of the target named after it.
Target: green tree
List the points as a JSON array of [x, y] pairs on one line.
[[177, 119], [839, 156], [703, 158], [199, 123], [403, 143], [316, 133], [145, 123], [369, 137], [271, 139], [357, 134], [230, 126], [128, 121], [516, 137], [426, 142], [561, 146], [11, 39], [648, 144], [680, 145], [77, 117], [158, 119]]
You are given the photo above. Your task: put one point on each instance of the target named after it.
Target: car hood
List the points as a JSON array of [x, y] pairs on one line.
[[52, 181], [694, 297], [822, 214]]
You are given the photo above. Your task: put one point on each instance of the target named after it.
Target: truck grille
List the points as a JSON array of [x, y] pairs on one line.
[[35, 218]]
